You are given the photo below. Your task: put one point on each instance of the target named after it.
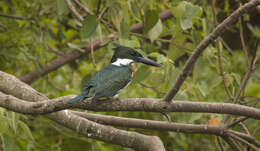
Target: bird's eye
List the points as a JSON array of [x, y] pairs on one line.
[[133, 53]]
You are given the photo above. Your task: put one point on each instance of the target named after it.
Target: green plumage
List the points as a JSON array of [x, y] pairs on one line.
[[110, 80], [106, 83]]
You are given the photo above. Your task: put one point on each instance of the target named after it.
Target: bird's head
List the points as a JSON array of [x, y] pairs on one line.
[[126, 55]]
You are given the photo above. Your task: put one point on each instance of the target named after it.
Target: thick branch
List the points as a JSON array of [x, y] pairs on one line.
[[139, 104], [108, 134], [152, 125], [204, 44], [71, 56], [165, 126], [13, 86]]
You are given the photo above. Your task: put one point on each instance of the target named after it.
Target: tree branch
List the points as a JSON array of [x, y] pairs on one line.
[[75, 54], [165, 126], [152, 125], [204, 44], [13, 86], [108, 134], [136, 104]]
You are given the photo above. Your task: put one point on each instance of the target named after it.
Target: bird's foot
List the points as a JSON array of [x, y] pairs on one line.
[[115, 98]]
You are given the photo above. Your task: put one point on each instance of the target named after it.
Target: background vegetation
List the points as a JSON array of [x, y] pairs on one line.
[[32, 33]]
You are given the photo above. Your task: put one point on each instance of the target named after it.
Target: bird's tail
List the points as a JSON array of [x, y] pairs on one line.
[[77, 98]]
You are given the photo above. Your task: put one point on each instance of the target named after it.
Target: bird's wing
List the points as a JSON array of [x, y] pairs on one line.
[[110, 80]]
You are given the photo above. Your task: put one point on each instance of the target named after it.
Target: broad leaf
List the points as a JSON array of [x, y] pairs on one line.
[[155, 32], [62, 7], [151, 18], [142, 73], [187, 13], [90, 24], [124, 29]]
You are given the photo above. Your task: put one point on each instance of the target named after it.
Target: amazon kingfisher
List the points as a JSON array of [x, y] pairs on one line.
[[117, 75]]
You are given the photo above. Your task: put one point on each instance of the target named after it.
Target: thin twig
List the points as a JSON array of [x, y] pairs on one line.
[[42, 12], [222, 73], [92, 53], [107, 25], [244, 82], [3, 27], [246, 137], [238, 120], [257, 57], [83, 7], [15, 17], [152, 88], [248, 74], [98, 6], [241, 35], [219, 146], [257, 130], [244, 127], [102, 13], [74, 11], [244, 141], [232, 143]]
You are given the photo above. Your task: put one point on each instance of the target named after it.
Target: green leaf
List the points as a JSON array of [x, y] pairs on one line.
[[159, 57], [174, 51], [124, 29], [155, 32], [62, 7], [141, 74], [187, 13], [151, 18], [134, 10], [90, 24]]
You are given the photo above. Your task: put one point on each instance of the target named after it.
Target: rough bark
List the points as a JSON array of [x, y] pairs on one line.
[[13, 86]]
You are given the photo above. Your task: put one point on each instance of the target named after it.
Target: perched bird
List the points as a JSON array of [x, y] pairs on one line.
[[110, 80]]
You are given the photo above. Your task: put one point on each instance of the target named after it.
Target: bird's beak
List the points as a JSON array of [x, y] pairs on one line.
[[147, 61]]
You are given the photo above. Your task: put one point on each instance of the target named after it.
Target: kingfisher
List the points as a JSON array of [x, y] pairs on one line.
[[114, 77]]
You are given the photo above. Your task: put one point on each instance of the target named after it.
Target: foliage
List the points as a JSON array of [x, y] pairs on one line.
[[51, 31]]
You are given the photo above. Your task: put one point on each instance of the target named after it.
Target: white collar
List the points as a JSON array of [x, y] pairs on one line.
[[122, 62]]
